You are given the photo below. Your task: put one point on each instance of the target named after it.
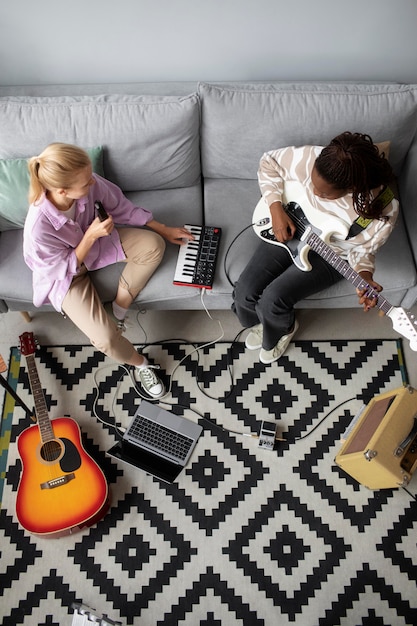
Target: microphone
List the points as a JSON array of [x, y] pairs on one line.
[[101, 213]]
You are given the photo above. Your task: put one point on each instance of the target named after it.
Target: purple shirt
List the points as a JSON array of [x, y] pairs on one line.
[[50, 239]]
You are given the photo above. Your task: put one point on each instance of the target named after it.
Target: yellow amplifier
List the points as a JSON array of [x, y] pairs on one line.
[[380, 447]]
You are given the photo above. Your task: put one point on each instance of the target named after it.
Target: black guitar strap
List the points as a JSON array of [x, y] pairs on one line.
[[386, 196]]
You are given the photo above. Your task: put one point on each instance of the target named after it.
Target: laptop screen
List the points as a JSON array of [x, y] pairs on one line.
[[145, 461]]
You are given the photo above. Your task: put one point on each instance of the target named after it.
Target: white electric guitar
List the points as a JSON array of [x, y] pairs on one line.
[[309, 237]]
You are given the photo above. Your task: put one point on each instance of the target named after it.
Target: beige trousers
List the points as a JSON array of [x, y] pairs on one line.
[[144, 250]]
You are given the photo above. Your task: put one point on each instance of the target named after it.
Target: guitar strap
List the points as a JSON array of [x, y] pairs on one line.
[[386, 196]]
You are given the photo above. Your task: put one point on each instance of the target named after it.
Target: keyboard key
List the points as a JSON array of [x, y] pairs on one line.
[[197, 259]]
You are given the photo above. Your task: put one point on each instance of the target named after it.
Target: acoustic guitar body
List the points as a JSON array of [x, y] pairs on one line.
[[61, 489]]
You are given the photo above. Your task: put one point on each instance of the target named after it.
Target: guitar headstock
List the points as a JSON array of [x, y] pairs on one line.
[[405, 324], [28, 344]]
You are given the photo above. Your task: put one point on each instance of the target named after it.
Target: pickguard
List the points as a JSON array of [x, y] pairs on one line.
[[295, 201]]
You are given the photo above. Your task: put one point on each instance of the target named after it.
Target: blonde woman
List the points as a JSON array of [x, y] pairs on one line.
[[64, 240]]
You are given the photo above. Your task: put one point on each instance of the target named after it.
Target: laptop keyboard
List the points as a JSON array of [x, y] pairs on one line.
[[160, 437]]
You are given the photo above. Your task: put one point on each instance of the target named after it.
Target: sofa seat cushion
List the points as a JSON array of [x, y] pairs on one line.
[[15, 276], [159, 293], [174, 207]]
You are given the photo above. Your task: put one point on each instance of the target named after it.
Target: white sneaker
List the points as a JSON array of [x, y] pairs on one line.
[[254, 340], [269, 356], [149, 381]]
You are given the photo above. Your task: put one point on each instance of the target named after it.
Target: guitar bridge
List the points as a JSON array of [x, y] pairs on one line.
[[58, 482]]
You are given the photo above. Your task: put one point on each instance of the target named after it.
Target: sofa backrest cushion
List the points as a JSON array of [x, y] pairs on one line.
[[149, 142], [242, 121]]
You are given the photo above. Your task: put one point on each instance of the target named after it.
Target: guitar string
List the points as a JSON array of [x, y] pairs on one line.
[[342, 266], [406, 323], [48, 458]]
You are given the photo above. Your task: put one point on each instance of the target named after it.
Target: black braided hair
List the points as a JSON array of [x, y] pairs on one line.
[[353, 162]]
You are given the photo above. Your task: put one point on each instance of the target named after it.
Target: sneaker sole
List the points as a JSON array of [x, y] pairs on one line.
[[252, 346], [151, 397]]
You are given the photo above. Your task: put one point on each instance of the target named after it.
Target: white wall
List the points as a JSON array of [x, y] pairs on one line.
[[96, 41]]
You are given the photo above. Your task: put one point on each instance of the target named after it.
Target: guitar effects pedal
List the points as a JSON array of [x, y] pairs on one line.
[[267, 434]]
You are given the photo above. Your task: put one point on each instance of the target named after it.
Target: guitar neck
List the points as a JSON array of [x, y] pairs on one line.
[[44, 423], [326, 252]]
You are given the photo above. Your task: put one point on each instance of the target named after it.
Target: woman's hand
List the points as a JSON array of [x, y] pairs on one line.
[[364, 299], [178, 235], [282, 225], [99, 228], [96, 230], [173, 234]]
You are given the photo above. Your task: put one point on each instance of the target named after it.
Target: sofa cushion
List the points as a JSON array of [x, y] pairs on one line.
[[150, 142], [14, 188], [241, 122]]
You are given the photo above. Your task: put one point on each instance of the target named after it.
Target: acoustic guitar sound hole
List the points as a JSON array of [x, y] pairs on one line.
[[51, 451]]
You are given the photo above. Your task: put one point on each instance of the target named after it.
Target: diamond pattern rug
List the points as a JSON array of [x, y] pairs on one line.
[[245, 536]]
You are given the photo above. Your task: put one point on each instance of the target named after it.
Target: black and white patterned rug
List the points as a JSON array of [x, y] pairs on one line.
[[245, 536]]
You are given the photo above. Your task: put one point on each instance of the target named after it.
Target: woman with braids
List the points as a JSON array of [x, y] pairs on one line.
[[347, 182]]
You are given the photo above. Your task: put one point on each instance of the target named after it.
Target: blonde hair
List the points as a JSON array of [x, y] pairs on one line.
[[55, 168]]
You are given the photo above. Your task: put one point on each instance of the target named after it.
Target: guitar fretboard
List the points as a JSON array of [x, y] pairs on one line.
[[343, 267], [44, 423]]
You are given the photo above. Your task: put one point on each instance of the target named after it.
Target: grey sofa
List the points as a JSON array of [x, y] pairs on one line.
[[190, 153]]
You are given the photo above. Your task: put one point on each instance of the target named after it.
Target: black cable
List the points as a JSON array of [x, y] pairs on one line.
[[230, 370], [225, 396], [196, 349], [325, 417], [208, 419], [228, 250], [189, 408], [410, 494]]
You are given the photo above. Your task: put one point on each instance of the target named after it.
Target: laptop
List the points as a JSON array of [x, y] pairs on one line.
[[157, 442]]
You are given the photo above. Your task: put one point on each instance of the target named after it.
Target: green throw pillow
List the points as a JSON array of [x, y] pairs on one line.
[[14, 188]]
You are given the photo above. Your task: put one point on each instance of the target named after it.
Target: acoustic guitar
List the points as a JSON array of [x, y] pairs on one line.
[[308, 237], [61, 488]]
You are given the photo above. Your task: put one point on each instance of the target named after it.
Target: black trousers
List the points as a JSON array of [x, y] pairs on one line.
[[271, 285]]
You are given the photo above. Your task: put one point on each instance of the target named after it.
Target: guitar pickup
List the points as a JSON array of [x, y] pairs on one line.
[[58, 482], [307, 232], [268, 234]]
